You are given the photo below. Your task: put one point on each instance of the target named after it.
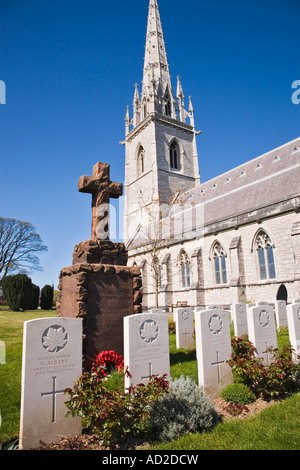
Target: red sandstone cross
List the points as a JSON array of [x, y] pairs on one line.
[[102, 189]]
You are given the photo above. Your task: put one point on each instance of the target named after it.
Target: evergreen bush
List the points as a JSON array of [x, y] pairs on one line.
[[46, 297], [18, 292], [34, 298], [238, 393], [183, 409]]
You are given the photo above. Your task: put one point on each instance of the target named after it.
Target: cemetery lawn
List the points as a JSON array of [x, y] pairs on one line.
[[11, 332], [276, 427]]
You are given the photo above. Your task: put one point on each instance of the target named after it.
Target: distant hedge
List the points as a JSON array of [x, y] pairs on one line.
[[20, 293]]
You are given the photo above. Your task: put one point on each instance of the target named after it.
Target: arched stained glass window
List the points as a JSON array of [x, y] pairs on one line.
[[265, 256]]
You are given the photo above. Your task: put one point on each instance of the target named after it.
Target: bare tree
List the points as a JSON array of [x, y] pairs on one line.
[[157, 235], [19, 246]]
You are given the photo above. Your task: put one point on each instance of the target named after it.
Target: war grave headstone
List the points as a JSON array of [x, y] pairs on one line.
[[213, 346], [293, 319], [199, 309], [156, 310], [239, 318], [281, 313], [2, 353], [262, 330], [51, 362], [184, 320], [99, 287], [146, 347]]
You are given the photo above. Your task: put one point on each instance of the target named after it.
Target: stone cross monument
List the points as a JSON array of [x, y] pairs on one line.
[[102, 189], [99, 287]]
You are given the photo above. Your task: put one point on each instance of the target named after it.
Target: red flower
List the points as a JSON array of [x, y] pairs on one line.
[[105, 359]]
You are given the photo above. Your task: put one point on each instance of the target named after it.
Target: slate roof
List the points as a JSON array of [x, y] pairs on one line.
[[271, 179], [265, 180]]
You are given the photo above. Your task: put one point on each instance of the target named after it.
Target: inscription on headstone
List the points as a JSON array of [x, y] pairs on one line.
[[52, 361], [146, 347]]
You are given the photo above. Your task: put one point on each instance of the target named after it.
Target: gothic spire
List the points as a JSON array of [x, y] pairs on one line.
[[156, 78]]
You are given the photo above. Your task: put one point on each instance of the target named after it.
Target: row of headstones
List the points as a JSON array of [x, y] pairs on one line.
[[52, 358]]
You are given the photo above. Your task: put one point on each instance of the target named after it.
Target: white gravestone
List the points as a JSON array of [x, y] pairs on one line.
[[281, 313], [199, 309], [213, 344], [184, 319], [2, 353], [52, 361], [146, 347], [156, 310], [262, 330], [239, 318], [293, 318]]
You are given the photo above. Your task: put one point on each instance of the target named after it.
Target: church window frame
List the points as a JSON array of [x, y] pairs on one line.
[[219, 264], [185, 270], [174, 155], [140, 160], [265, 259]]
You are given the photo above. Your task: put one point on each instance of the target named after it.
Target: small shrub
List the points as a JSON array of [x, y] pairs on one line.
[[172, 327], [235, 409], [238, 393], [183, 409], [272, 380], [113, 414]]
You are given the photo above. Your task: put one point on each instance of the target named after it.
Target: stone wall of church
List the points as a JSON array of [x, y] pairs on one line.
[[242, 267]]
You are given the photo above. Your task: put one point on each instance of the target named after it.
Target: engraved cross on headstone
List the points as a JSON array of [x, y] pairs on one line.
[[102, 189], [53, 393], [186, 334], [218, 365], [150, 373]]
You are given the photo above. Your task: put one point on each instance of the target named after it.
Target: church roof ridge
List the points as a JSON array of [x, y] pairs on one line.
[[206, 185]]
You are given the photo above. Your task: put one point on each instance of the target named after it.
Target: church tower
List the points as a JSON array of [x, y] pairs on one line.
[[161, 157]]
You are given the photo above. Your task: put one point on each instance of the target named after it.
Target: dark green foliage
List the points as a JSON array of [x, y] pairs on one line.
[[238, 393], [46, 297], [272, 380], [19, 292], [35, 297], [113, 414]]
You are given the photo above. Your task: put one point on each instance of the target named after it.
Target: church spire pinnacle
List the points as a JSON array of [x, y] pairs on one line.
[[156, 78]]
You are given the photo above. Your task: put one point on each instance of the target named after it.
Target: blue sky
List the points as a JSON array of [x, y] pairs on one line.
[[70, 69]]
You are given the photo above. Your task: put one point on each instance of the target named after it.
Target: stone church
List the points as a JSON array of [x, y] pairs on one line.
[[231, 239]]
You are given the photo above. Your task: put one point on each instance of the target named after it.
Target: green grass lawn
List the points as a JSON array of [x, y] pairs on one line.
[[277, 427]]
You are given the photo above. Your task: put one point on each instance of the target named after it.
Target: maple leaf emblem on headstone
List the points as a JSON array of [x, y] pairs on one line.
[[215, 324], [55, 339], [149, 331], [264, 318]]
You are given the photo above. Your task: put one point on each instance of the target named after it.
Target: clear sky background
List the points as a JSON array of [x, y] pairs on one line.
[[70, 67]]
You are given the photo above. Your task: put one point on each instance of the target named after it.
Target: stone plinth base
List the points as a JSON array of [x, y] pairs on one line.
[[101, 295], [100, 252]]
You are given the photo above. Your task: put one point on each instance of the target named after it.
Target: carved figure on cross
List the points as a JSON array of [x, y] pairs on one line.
[[102, 189]]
